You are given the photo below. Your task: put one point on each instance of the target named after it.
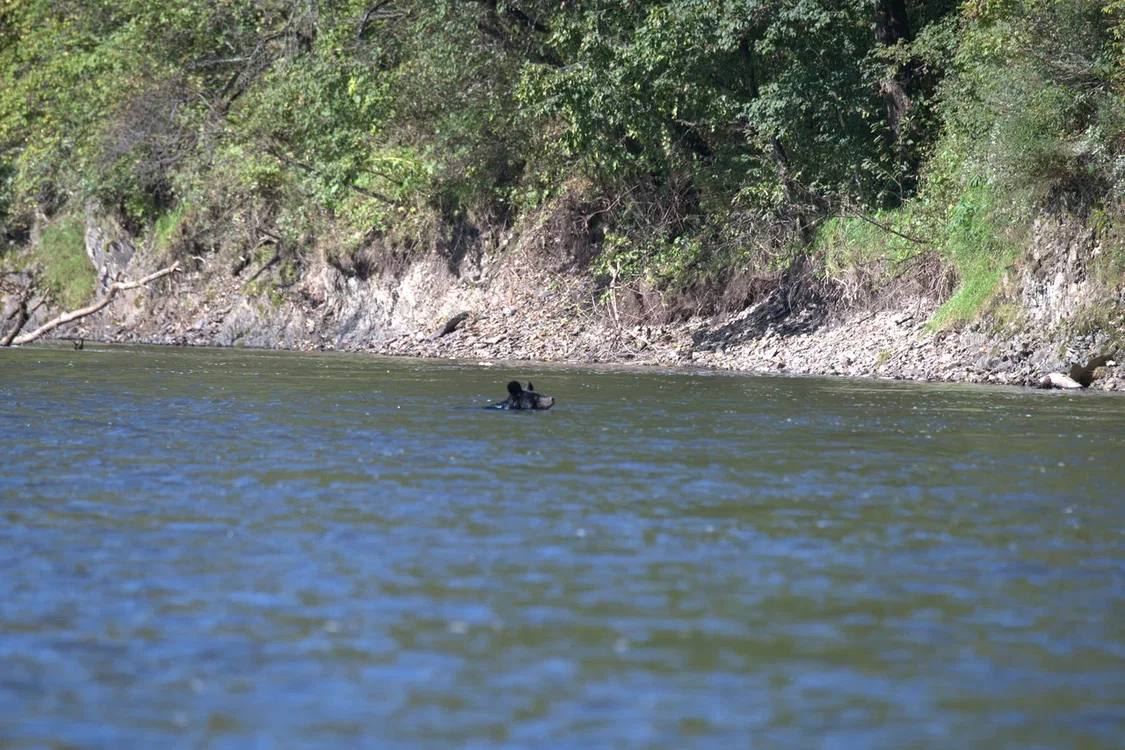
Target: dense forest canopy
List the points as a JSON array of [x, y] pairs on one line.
[[709, 133]]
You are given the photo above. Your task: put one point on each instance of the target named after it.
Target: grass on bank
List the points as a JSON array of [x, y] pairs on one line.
[[166, 226], [975, 244], [969, 237], [66, 271]]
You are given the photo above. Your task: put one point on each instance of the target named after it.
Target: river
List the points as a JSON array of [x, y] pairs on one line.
[[245, 549]]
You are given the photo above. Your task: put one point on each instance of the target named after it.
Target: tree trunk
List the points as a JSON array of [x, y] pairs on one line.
[[891, 27]]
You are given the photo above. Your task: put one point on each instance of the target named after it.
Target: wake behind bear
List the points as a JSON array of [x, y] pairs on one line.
[[519, 399]]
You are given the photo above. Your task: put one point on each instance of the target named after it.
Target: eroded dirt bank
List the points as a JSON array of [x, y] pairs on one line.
[[534, 299]]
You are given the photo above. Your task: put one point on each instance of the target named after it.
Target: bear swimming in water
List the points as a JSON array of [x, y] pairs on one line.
[[518, 398]]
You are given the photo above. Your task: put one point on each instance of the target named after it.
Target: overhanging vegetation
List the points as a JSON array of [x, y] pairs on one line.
[[710, 135]]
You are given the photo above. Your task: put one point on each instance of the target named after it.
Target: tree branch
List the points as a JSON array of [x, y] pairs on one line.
[[361, 28], [885, 228], [21, 316], [522, 18], [493, 26], [288, 160], [114, 288], [268, 264]]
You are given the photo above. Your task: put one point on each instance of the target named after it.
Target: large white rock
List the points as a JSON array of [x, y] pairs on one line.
[[1058, 380]]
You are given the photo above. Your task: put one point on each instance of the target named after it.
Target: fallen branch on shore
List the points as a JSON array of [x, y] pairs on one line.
[[114, 288]]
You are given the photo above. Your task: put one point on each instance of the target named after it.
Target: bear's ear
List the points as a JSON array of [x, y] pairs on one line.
[[530, 387]]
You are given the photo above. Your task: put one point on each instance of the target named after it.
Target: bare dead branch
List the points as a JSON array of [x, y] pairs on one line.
[[268, 264], [288, 160], [114, 288], [369, 16], [885, 228], [21, 316]]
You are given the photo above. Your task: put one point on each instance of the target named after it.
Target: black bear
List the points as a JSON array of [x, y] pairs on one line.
[[518, 398]]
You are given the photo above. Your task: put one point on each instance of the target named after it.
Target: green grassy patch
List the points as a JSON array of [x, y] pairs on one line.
[[12, 258], [65, 269], [1008, 316], [1108, 267], [965, 228], [975, 244], [978, 283], [846, 242], [166, 226]]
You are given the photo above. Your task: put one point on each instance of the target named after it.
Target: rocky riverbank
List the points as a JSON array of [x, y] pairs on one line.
[[889, 344], [531, 300]]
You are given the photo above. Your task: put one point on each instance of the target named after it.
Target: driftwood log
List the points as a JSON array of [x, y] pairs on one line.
[[82, 312]]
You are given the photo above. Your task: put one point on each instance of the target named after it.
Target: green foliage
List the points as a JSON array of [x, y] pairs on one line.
[[666, 264], [1036, 103], [714, 90], [64, 268], [320, 118], [710, 134]]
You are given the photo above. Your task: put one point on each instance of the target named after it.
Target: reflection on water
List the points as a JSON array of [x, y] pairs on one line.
[[250, 549]]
